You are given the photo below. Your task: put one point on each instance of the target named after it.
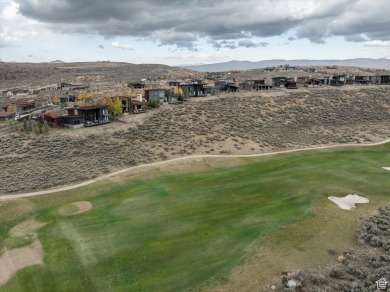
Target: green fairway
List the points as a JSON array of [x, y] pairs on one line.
[[177, 231]]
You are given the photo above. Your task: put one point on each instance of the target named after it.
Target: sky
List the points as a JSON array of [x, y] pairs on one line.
[[191, 32]]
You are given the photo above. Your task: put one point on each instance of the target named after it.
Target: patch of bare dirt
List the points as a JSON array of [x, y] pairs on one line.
[[75, 208], [13, 260], [19, 258], [26, 228]]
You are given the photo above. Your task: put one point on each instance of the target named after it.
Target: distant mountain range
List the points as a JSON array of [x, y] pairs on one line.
[[247, 65]]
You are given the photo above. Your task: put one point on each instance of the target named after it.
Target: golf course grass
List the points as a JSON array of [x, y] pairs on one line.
[[179, 230]]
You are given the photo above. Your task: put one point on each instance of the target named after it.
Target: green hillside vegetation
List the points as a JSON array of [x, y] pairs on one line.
[[177, 231]]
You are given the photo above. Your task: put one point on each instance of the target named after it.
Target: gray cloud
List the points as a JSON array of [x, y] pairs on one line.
[[100, 46], [355, 38], [183, 23], [250, 44]]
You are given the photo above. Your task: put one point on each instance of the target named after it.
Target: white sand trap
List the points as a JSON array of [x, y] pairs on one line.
[[386, 168], [26, 227], [75, 208], [19, 258], [348, 202]]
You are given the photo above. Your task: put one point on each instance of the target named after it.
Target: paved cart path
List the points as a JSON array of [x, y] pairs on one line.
[[164, 162]]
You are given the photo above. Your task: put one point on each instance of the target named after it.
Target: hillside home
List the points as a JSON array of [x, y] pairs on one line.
[[136, 85], [226, 86], [22, 105], [155, 95], [381, 79], [358, 80], [309, 81], [138, 106], [335, 80], [194, 89], [255, 85], [54, 119], [73, 119], [94, 114], [173, 83], [279, 81], [5, 116], [67, 98]]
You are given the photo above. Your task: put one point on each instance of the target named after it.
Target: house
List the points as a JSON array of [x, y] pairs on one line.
[[155, 95], [194, 89], [67, 98], [138, 106], [311, 70], [136, 85], [291, 84], [126, 103], [381, 79], [5, 116], [335, 80], [41, 103], [309, 81], [231, 87], [54, 119], [226, 86], [173, 98], [208, 90], [358, 80], [175, 83], [22, 105], [279, 81], [73, 119], [285, 82], [255, 85], [94, 114]]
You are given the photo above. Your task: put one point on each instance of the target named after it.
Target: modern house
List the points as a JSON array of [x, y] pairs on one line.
[[94, 114], [136, 85], [358, 80], [194, 89], [22, 105], [138, 106], [381, 79], [335, 80], [260, 84], [226, 86], [54, 119], [155, 95], [284, 82], [309, 81], [5, 116], [73, 119]]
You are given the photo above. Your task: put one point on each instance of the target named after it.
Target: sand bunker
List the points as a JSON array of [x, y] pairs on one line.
[[75, 208], [386, 168], [348, 202], [16, 259], [25, 228]]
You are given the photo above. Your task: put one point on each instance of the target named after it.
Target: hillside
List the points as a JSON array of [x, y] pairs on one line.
[[92, 73], [247, 65]]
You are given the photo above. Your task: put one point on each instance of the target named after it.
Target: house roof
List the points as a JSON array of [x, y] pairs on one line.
[[155, 89], [53, 115], [137, 102], [6, 114], [89, 107]]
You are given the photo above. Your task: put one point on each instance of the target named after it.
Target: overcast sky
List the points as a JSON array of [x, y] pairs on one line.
[[177, 32]]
